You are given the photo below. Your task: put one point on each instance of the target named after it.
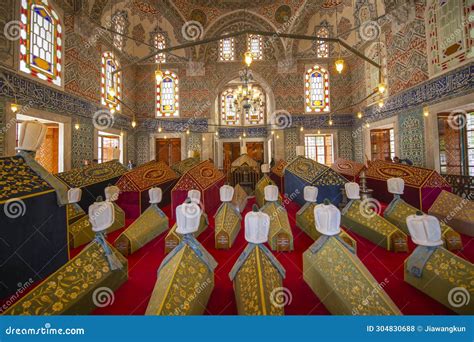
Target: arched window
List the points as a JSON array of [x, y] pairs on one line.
[[255, 46], [110, 81], [322, 48], [317, 90], [167, 98], [226, 49], [159, 42], [229, 114], [119, 22], [41, 41], [254, 116], [378, 53]]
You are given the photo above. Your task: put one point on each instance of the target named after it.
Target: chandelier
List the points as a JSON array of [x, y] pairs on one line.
[[247, 98]]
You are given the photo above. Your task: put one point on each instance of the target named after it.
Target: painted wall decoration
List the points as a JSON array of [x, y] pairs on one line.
[[411, 137], [345, 144]]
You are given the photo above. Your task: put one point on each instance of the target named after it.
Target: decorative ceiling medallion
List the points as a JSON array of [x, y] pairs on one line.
[[199, 16], [283, 14]]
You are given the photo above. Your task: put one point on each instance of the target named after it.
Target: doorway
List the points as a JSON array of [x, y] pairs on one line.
[[168, 150], [231, 153], [382, 144], [255, 150]]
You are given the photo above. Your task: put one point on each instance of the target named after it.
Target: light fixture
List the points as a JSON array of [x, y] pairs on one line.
[[76, 126], [158, 75], [134, 122], [278, 137], [248, 58], [245, 134], [426, 112], [112, 110], [330, 122], [14, 107], [381, 87], [380, 103], [273, 132], [165, 137], [217, 133], [359, 115], [121, 132], [319, 132], [203, 138], [112, 92], [187, 131], [339, 65], [301, 129], [159, 129], [240, 137], [367, 125]]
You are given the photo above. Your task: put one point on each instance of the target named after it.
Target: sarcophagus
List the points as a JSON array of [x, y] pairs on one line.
[[145, 228], [337, 276], [227, 220], [257, 276], [239, 201], [398, 210], [435, 271]]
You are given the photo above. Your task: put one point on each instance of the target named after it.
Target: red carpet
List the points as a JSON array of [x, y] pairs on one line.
[[132, 298]]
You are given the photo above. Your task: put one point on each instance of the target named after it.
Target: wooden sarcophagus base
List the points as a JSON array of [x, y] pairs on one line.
[[373, 227], [184, 284], [77, 288], [227, 225], [397, 212], [305, 221], [445, 277], [257, 278], [280, 237], [173, 239], [342, 282], [144, 229]]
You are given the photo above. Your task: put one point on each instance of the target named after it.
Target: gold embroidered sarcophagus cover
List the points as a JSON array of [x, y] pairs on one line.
[[435, 271], [260, 193], [337, 276], [239, 201], [184, 165], [280, 237], [185, 279], [227, 220], [456, 211], [257, 276], [305, 218]]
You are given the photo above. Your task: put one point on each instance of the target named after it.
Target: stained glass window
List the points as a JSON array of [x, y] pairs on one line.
[[110, 81], [449, 32], [322, 48], [226, 49], [255, 46], [254, 116], [317, 90], [41, 41], [160, 43], [167, 98], [229, 114], [119, 21]]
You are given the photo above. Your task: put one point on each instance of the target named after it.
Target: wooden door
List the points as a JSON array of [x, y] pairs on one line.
[[255, 151], [47, 154], [380, 144], [231, 153], [168, 150]]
